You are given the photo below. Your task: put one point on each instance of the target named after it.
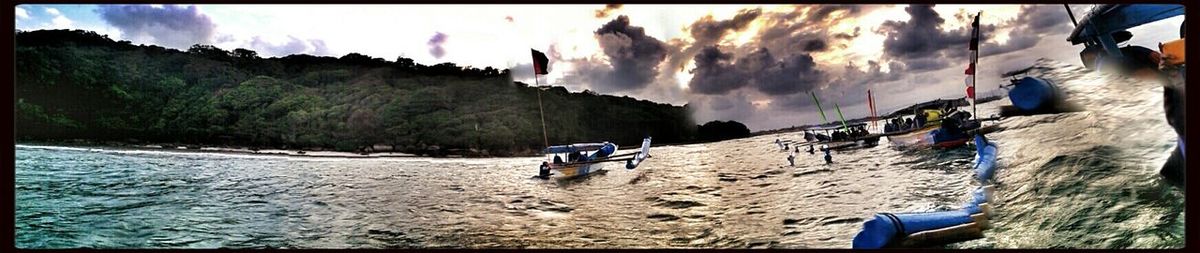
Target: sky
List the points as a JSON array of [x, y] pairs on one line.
[[756, 64]]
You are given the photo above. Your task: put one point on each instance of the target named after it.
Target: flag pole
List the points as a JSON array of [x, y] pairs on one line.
[[541, 112], [974, 113]]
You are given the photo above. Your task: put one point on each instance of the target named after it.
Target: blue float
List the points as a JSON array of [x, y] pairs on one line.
[[1032, 93], [985, 159], [885, 227]]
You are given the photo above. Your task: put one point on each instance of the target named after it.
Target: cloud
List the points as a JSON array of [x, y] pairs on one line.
[[171, 25], [292, 46], [785, 76], [822, 12], [706, 32], [603, 13], [804, 29], [1033, 22], [521, 71], [849, 36], [714, 73], [435, 45], [633, 58], [53, 12], [1044, 19], [21, 13], [717, 73], [921, 36], [815, 45], [61, 21]]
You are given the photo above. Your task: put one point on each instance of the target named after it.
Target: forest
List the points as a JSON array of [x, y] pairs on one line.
[[80, 85]]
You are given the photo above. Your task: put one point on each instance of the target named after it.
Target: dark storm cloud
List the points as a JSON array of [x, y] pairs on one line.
[[922, 46], [171, 25], [775, 62], [435, 45], [921, 36], [633, 57], [706, 32], [790, 75], [292, 46], [603, 13], [788, 33], [1044, 19], [716, 72]]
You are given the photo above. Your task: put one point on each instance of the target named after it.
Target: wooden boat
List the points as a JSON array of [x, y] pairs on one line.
[[581, 159]]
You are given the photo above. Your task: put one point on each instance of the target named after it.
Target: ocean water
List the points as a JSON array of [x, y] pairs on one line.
[[1085, 179]]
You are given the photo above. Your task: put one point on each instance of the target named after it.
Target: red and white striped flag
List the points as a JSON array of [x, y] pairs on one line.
[[974, 55]]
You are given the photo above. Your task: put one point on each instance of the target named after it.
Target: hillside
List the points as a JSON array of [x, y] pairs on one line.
[[81, 85]]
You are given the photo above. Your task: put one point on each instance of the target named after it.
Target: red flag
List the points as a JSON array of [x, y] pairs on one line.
[[539, 63], [971, 92], [970, 69]]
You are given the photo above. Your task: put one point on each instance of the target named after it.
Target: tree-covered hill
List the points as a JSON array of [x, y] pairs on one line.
[[82, 85]]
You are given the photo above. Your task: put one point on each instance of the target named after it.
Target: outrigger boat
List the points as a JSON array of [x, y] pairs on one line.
[[587, 158], [848, 142], [581, 158]]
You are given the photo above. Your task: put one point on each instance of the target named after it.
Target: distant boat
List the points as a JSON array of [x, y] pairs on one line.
[[841, 143]]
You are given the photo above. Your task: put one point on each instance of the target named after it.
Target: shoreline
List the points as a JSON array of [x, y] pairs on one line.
[[221, 150], [192, 148]]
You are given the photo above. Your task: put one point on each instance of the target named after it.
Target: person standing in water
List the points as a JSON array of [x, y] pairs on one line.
[[828, 157], [1172, 73], [792, 158]]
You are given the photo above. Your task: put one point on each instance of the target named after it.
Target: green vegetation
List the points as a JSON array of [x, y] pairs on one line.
[[82, 85]]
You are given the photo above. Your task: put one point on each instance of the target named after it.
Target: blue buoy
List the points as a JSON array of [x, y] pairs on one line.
[[1032, 93], [885, 227]]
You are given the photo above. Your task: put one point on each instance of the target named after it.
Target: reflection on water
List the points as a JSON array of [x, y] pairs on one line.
[[1085, 180]]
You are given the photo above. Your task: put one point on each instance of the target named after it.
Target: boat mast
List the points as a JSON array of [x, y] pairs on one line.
[[975, 113], [839, 111], [814, 96]]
